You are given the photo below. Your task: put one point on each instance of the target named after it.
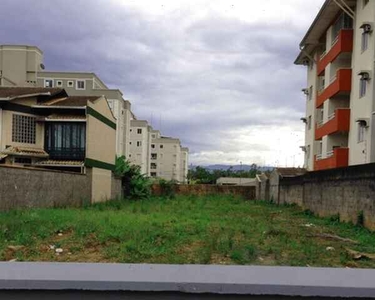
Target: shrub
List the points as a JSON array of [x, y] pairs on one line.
[[167, 188], [135, 184]]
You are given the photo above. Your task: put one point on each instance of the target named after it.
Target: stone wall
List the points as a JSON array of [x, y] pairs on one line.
[[347, 192], [248, 192], [30, 187]]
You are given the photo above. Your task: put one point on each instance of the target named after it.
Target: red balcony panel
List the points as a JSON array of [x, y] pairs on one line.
[[339, 123], [340, 158], [342, 83], [344, 44]]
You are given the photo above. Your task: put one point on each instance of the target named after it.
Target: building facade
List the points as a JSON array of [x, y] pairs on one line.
[[46, 128], [23, 66], [338, 51], [140, 145]]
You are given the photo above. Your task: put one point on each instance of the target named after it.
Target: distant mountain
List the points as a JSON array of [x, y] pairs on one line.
[[234, 167]]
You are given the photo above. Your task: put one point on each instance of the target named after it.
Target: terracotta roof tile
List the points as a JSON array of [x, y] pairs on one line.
[[70, 101], [24, 151], [11, 92], [65, 163]]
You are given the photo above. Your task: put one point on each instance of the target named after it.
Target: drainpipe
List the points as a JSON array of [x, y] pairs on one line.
[[345, 7]]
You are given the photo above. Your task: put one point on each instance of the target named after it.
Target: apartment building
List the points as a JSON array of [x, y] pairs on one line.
[[166, 158], [338, 52], [140, 144], [23, 66], [46, 128]]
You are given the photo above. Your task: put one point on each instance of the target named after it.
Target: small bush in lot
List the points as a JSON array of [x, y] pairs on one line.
[[167, 188], [135, 184]]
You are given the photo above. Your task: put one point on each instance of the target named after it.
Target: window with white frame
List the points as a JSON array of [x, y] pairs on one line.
[[365, 40], [70, 83], [362, 87], [139, 144], [59, 83], [361, 132], [161, 146], [139, 130], [23, 129], [310, 92], [154, 156], [153, 166], [309, 123], [81, 85], [48, 83], [153, 174], [153, 146]]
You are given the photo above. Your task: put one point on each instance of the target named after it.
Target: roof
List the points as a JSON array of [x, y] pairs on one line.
[[4, 47], [21, 92], [290, 172], [61, 163], [319, 26], [25, 151], [78, 101], [66, 117], [70, 74]]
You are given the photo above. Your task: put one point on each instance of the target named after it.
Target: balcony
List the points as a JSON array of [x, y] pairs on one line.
[[342, 44], [341, 83], [337, 158], [339, 121]]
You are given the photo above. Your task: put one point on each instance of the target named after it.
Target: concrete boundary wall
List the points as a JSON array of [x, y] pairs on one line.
[[346, 192], [248, 192], [134, 281], [38, 188]]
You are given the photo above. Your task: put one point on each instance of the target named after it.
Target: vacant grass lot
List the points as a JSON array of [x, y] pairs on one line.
[[184, 230]]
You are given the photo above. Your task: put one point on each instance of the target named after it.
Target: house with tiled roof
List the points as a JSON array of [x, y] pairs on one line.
[[46, 128]]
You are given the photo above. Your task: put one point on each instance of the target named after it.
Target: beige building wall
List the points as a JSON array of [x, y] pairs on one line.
[[184, 164], [168, 159], [364, 107], [19, 65], [311, 146], [139, 145], [100, 150], [6, 119]]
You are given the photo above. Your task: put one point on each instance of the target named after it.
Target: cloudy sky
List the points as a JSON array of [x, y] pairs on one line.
[[218, 74]]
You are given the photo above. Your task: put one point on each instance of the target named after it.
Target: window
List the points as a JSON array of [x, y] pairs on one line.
[[153, 166], [153, 174], [130, 155], [130, 143], [343, 22], [80, 85], [131, 130], [362, 87], [364, 43], [361, 133], [161, 146], [70, 83], [153, 136], [310, 93], [59, 83], [48, 83], [153, 146], [139, 131], [66, 140], [154, 156], [23, 129], [309, 123], [139, 144]]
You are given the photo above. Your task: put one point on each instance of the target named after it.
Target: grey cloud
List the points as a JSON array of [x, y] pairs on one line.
[[207, 80]]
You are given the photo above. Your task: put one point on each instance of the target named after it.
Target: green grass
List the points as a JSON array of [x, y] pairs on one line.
[[183, 230]]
